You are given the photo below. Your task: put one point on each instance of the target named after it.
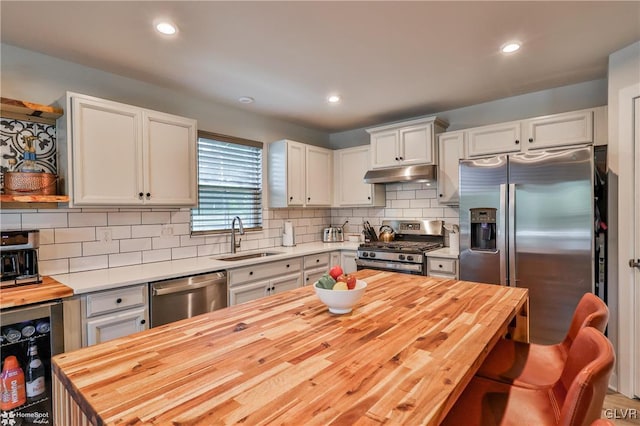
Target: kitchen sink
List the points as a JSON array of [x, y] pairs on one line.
[[245, 256]]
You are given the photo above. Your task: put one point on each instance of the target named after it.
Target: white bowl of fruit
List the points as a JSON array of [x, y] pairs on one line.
[[339, 291]]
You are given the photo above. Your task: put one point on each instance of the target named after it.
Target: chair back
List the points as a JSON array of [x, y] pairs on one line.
[[583, 384], [590, 312]]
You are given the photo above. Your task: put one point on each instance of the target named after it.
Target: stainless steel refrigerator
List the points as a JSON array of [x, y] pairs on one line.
[[527, 220]]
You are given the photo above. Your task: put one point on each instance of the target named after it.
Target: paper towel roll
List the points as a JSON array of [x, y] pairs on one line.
[[288, 228], [288, 238], [454, 241]]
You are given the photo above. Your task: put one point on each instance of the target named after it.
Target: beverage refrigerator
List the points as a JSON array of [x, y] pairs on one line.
[[28, 334], [527, 220]]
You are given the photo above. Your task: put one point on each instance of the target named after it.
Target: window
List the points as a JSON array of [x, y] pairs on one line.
[[229, 183]]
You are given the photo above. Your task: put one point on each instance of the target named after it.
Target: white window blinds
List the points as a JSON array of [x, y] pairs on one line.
[[229, 183]]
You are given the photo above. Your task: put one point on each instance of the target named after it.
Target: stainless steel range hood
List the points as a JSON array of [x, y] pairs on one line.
[[420, 173]]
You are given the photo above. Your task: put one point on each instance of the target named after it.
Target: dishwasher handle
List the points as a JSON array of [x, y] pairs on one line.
[[161, 288]]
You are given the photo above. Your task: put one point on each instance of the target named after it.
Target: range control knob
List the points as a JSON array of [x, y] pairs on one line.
[[409, 258], [372, 254], [365, 254], [401, 257]]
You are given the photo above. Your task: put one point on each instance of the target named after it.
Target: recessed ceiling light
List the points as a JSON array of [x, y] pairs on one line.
[[246, 100], [333, 99], [510, 47], [166, 28]]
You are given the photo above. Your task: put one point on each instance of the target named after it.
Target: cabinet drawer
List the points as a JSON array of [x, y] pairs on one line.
[[115, 300], [264, 270], [439, 265], [317, 260]]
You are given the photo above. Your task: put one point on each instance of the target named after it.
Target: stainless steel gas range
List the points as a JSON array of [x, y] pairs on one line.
[[413, 239]]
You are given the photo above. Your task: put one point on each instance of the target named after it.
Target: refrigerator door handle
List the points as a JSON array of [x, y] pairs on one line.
[[502, 233], [512, 235]]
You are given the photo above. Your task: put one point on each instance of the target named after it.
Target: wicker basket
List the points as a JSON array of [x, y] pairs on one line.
[[20, 183]]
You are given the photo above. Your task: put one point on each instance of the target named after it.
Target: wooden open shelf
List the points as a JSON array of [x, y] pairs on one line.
[[32, 201], [23, 110]]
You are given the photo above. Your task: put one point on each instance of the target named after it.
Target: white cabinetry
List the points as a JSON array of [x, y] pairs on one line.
[[348, 261], [350, 165], [570, 128], [451, 149], [442, 267], [335, 258], [406, 143], [299, 175], [494, 139], [107, 315], [253, 282], [121, 155], [315, 266]]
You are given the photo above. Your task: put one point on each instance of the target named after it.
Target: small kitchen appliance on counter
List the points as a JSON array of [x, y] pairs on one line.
[[334, 234], [19, 253], [406, 252]]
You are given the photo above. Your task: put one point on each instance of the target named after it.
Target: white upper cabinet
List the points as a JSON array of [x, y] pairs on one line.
[[494, 139], [350, 166], [559, 130], [299, 175], [405, 143], [451, 150], [121, 155]]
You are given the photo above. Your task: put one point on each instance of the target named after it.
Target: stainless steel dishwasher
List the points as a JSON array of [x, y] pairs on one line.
[[180, 298]]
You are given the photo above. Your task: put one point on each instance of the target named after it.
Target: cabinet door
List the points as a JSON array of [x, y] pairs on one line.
[[170, 160], [559, 130], [495, 139], [384, 149], [246, 293], [348, 261], [416, 145], [288, 282], [106, 146], [450, 151], [295, 174], [313, 275], [351, 166], [319, 176], [108, 327], [335, 259]]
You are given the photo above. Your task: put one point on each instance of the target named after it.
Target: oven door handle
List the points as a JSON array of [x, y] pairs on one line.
[[412, 267]]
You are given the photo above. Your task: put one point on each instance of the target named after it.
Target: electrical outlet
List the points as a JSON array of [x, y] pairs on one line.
[[106, 236], [166, 231]]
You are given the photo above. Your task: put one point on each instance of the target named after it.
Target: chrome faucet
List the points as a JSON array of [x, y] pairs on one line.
[[235, 245]]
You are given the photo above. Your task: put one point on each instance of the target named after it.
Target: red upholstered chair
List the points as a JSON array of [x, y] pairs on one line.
[[575, 399], [535, 366]]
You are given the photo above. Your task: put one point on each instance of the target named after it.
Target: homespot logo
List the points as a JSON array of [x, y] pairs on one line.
[[621, 413], [10, 418]]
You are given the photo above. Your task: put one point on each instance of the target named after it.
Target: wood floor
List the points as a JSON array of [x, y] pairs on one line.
[[621, 410]]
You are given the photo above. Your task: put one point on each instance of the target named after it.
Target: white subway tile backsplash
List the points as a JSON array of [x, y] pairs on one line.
[[74, 235], [165, 242], [89, 263], [44, 220], [125, 259], [182, 216], [419, 203], [135, 244], [87, 219], [60, 251], [184, 252], [53, 267], [124, 218], [156, 217], [117, 232], [187, 240], [156, 256], [400, 204], [433, 213], [142, 231], [94, 248], [10, 221], [47, 236], [181, 228], [406, 195]]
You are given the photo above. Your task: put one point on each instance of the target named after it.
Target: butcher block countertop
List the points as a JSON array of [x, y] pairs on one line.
[[48, 289], [403, 356]]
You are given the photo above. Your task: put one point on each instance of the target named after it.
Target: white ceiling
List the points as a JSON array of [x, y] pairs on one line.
[[388, 60]]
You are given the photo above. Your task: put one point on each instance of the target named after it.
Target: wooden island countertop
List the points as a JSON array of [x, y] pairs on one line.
[[403, 356]]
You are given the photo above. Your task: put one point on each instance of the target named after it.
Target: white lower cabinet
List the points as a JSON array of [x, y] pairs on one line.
[[335, 258], [316, 265], [442, 267], [110, 314], [253, 282], [348, 261]]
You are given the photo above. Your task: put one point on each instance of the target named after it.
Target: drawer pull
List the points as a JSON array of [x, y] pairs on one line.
[[317, 260], [440, 266], [143, 321], [250, 272], [287, 265], [118, 300]]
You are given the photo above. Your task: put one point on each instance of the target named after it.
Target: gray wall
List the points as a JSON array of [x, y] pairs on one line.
[[34, 77], [567, 98]]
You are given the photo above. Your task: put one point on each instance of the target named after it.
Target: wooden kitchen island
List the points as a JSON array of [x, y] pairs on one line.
[[402, 357]]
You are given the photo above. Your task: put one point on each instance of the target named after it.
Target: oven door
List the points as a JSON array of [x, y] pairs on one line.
[[385, 265]]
